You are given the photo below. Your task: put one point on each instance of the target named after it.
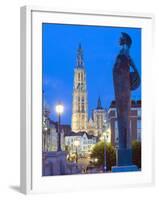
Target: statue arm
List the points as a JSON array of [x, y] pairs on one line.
[[134, 76], [132, 64]]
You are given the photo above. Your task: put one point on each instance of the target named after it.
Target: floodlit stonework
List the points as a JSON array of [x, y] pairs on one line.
[[99, 119], [80, 103]]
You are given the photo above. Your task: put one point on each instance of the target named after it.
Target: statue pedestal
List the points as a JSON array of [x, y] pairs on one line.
[[129, 168], [55, 163], [124, 161], [124, 157]]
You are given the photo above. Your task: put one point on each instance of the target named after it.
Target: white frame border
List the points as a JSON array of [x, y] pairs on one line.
[[26, 99]]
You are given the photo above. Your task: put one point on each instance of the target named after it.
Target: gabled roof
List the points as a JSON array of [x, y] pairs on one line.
[[80, 134]]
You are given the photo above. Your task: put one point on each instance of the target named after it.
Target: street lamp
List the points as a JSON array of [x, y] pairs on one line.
[[105, 154], [46, 139], [96, 160], [59, 110], [76, 143]]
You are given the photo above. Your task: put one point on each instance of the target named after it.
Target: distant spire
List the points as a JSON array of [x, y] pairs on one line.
[[99, 105], [80, 63]]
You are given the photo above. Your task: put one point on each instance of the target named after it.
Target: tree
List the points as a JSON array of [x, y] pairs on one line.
[[136, 153], [98, 153]]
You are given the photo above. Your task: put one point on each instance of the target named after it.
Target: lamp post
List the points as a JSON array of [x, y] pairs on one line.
[[59, 110], [76, 143], [105, 154], [46, 139], [96, 160]]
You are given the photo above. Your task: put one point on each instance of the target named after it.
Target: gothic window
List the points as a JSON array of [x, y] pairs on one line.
[[81, 76], [78, 76], [78, 108], [82, 107], [116, 124]]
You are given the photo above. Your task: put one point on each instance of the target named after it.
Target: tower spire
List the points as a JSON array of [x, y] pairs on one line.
[[80, 102], [80, 62], [99, 105]]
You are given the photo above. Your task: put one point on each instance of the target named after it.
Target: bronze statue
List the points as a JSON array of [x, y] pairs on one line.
[[124, 81]]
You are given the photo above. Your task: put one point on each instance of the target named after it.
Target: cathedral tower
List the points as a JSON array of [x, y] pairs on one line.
[[99, 118], [79, 103]]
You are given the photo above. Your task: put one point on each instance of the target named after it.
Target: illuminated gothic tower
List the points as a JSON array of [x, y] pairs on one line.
[[79, 103]]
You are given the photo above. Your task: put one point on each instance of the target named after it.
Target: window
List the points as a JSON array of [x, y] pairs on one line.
[[116, 132], [81, 76], [78, 76], [138, 134], [116, 124], [139, 113], [82, 108], [78, 108], [138, 124]]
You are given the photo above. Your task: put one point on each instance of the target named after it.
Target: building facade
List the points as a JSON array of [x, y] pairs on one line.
[[45, 126], [79, 103], [99, 119], [86, 142], [50, 133], [135, 122]]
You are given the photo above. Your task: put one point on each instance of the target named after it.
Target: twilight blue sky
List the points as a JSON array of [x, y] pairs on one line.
[[100, 46]]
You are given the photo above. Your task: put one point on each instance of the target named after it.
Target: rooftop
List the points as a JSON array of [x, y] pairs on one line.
[[134, 104], [80, 134]]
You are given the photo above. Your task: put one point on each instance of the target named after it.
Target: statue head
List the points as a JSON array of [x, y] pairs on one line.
[[125, 40]]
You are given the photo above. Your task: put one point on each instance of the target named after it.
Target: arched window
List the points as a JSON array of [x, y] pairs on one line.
[[81, 76], [82, 107], [82, 99], [78, 76], [78, 108]]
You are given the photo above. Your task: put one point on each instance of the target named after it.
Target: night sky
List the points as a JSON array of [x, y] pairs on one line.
[[100, 46]]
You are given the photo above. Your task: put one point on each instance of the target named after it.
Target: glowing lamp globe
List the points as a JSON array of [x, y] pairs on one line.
[[59, 108], [76, 143]]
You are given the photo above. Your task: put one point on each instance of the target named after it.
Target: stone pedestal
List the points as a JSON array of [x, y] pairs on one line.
[[124, 161], [124, 157], [129, 168]]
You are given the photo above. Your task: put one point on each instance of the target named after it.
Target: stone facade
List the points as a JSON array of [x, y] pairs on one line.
[[99, 119], [79, 104], [86, 142]]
